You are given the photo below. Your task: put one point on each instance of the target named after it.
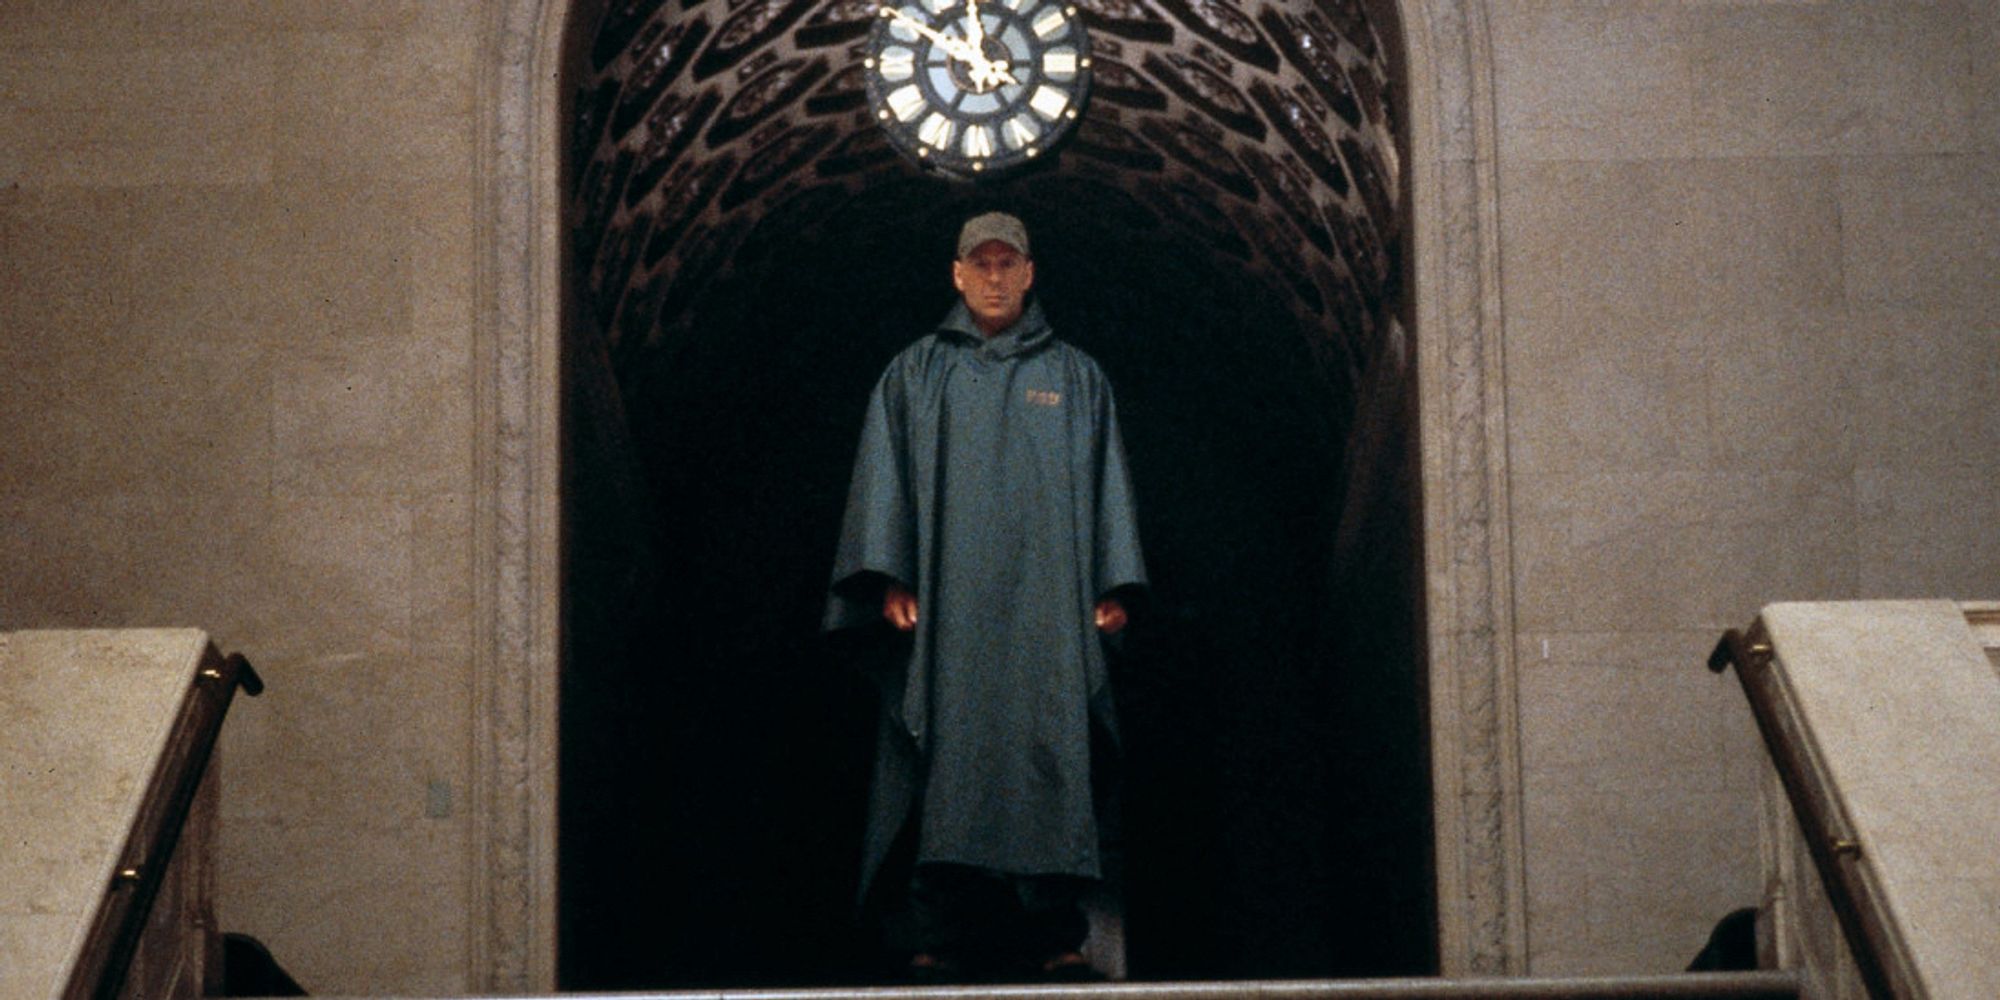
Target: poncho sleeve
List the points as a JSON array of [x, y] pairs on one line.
[[878, 537], [1117, 561]]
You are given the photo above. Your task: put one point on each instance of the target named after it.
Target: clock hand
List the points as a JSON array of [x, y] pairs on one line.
[[988, 71], [953, 46], [984, 70], [995, 72]]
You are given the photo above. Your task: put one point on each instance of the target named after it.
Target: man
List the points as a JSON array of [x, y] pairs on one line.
[[991, 520]]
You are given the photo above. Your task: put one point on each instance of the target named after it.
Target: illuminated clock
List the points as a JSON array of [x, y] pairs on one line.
[[972, 86]]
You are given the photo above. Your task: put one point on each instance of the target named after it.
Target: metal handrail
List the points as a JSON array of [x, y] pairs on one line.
[[1884, 965], [112, 939]]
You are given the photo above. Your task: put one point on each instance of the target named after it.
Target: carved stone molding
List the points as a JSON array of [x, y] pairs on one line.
[[1475, 744], [516, 551], [1454, 231]]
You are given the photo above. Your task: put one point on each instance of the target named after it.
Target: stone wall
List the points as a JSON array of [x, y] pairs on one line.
[[1751, 285], [236, 306], [1750, 290]]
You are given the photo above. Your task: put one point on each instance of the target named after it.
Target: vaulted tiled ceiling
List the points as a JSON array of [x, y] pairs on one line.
[[1258, 132]]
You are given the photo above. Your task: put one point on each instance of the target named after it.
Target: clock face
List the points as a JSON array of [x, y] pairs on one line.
[[971, 86]]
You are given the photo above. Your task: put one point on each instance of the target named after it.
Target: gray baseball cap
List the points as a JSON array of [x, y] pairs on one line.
[[993, 226]]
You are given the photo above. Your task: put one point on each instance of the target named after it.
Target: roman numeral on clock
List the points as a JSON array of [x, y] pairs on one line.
[[936, 131], [1049, 102], [899, 64], [1050, 22], [907, 103], [1021, 130]]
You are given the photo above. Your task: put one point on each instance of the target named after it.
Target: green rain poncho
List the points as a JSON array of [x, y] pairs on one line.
[[991, 482]]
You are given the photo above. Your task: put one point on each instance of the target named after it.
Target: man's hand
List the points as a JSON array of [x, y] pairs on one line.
[[1110, 616], [899, 606]]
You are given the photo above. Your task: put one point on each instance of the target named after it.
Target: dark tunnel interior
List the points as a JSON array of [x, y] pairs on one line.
[[716, 749], [1222, 233]]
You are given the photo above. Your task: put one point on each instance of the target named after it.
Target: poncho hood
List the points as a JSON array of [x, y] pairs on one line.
[[1030, 333]]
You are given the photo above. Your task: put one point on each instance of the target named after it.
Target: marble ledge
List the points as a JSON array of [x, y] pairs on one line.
[[85, 717], [1902, 709]]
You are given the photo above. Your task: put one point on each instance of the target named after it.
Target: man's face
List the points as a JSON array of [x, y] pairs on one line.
[[994, 280]]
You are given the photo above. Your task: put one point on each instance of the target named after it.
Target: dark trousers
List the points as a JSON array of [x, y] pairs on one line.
[[987, 918]]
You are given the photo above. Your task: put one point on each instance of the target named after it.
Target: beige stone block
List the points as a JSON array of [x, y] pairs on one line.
[[1927, 386], [280, 578], [341, 571], [123, 115], [66, 277], [1669, 240], [380, 104], [1907, 75], [352, 741], [1676, 550], [1922, 230], [1579, 80], [443, 260], [337, 907], [1615, 722], [13, 149], [306, 15], [1769, 236], [344, 252], [119, 412], [112, 77], [375, 416], [58, 149], [1982, 34], [57, 24], [1832, 78], [215, 264], [116, 562], [1928, 532], [1632, 882], [274, 578], [191, 418], [47, 444], [200, 559], [1608, 656], [1775, 535], [95, 561], [1590, 81], [50, 22], [1745, 759], [67, 563], [1608, 552], [1633, 650], [1781, 392], [444, 574], [1600, 241], [1612, 393], [1763, 83]]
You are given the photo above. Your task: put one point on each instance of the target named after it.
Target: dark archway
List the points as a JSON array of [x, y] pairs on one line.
[[740, 286]]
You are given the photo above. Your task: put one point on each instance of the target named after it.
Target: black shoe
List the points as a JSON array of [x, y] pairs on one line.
[[1069, 967], [931, 970]]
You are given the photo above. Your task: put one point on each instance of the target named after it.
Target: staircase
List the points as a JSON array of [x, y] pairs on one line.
[[1684, 986]]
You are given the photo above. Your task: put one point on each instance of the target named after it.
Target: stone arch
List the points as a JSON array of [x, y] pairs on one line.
[[1452, 307]]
